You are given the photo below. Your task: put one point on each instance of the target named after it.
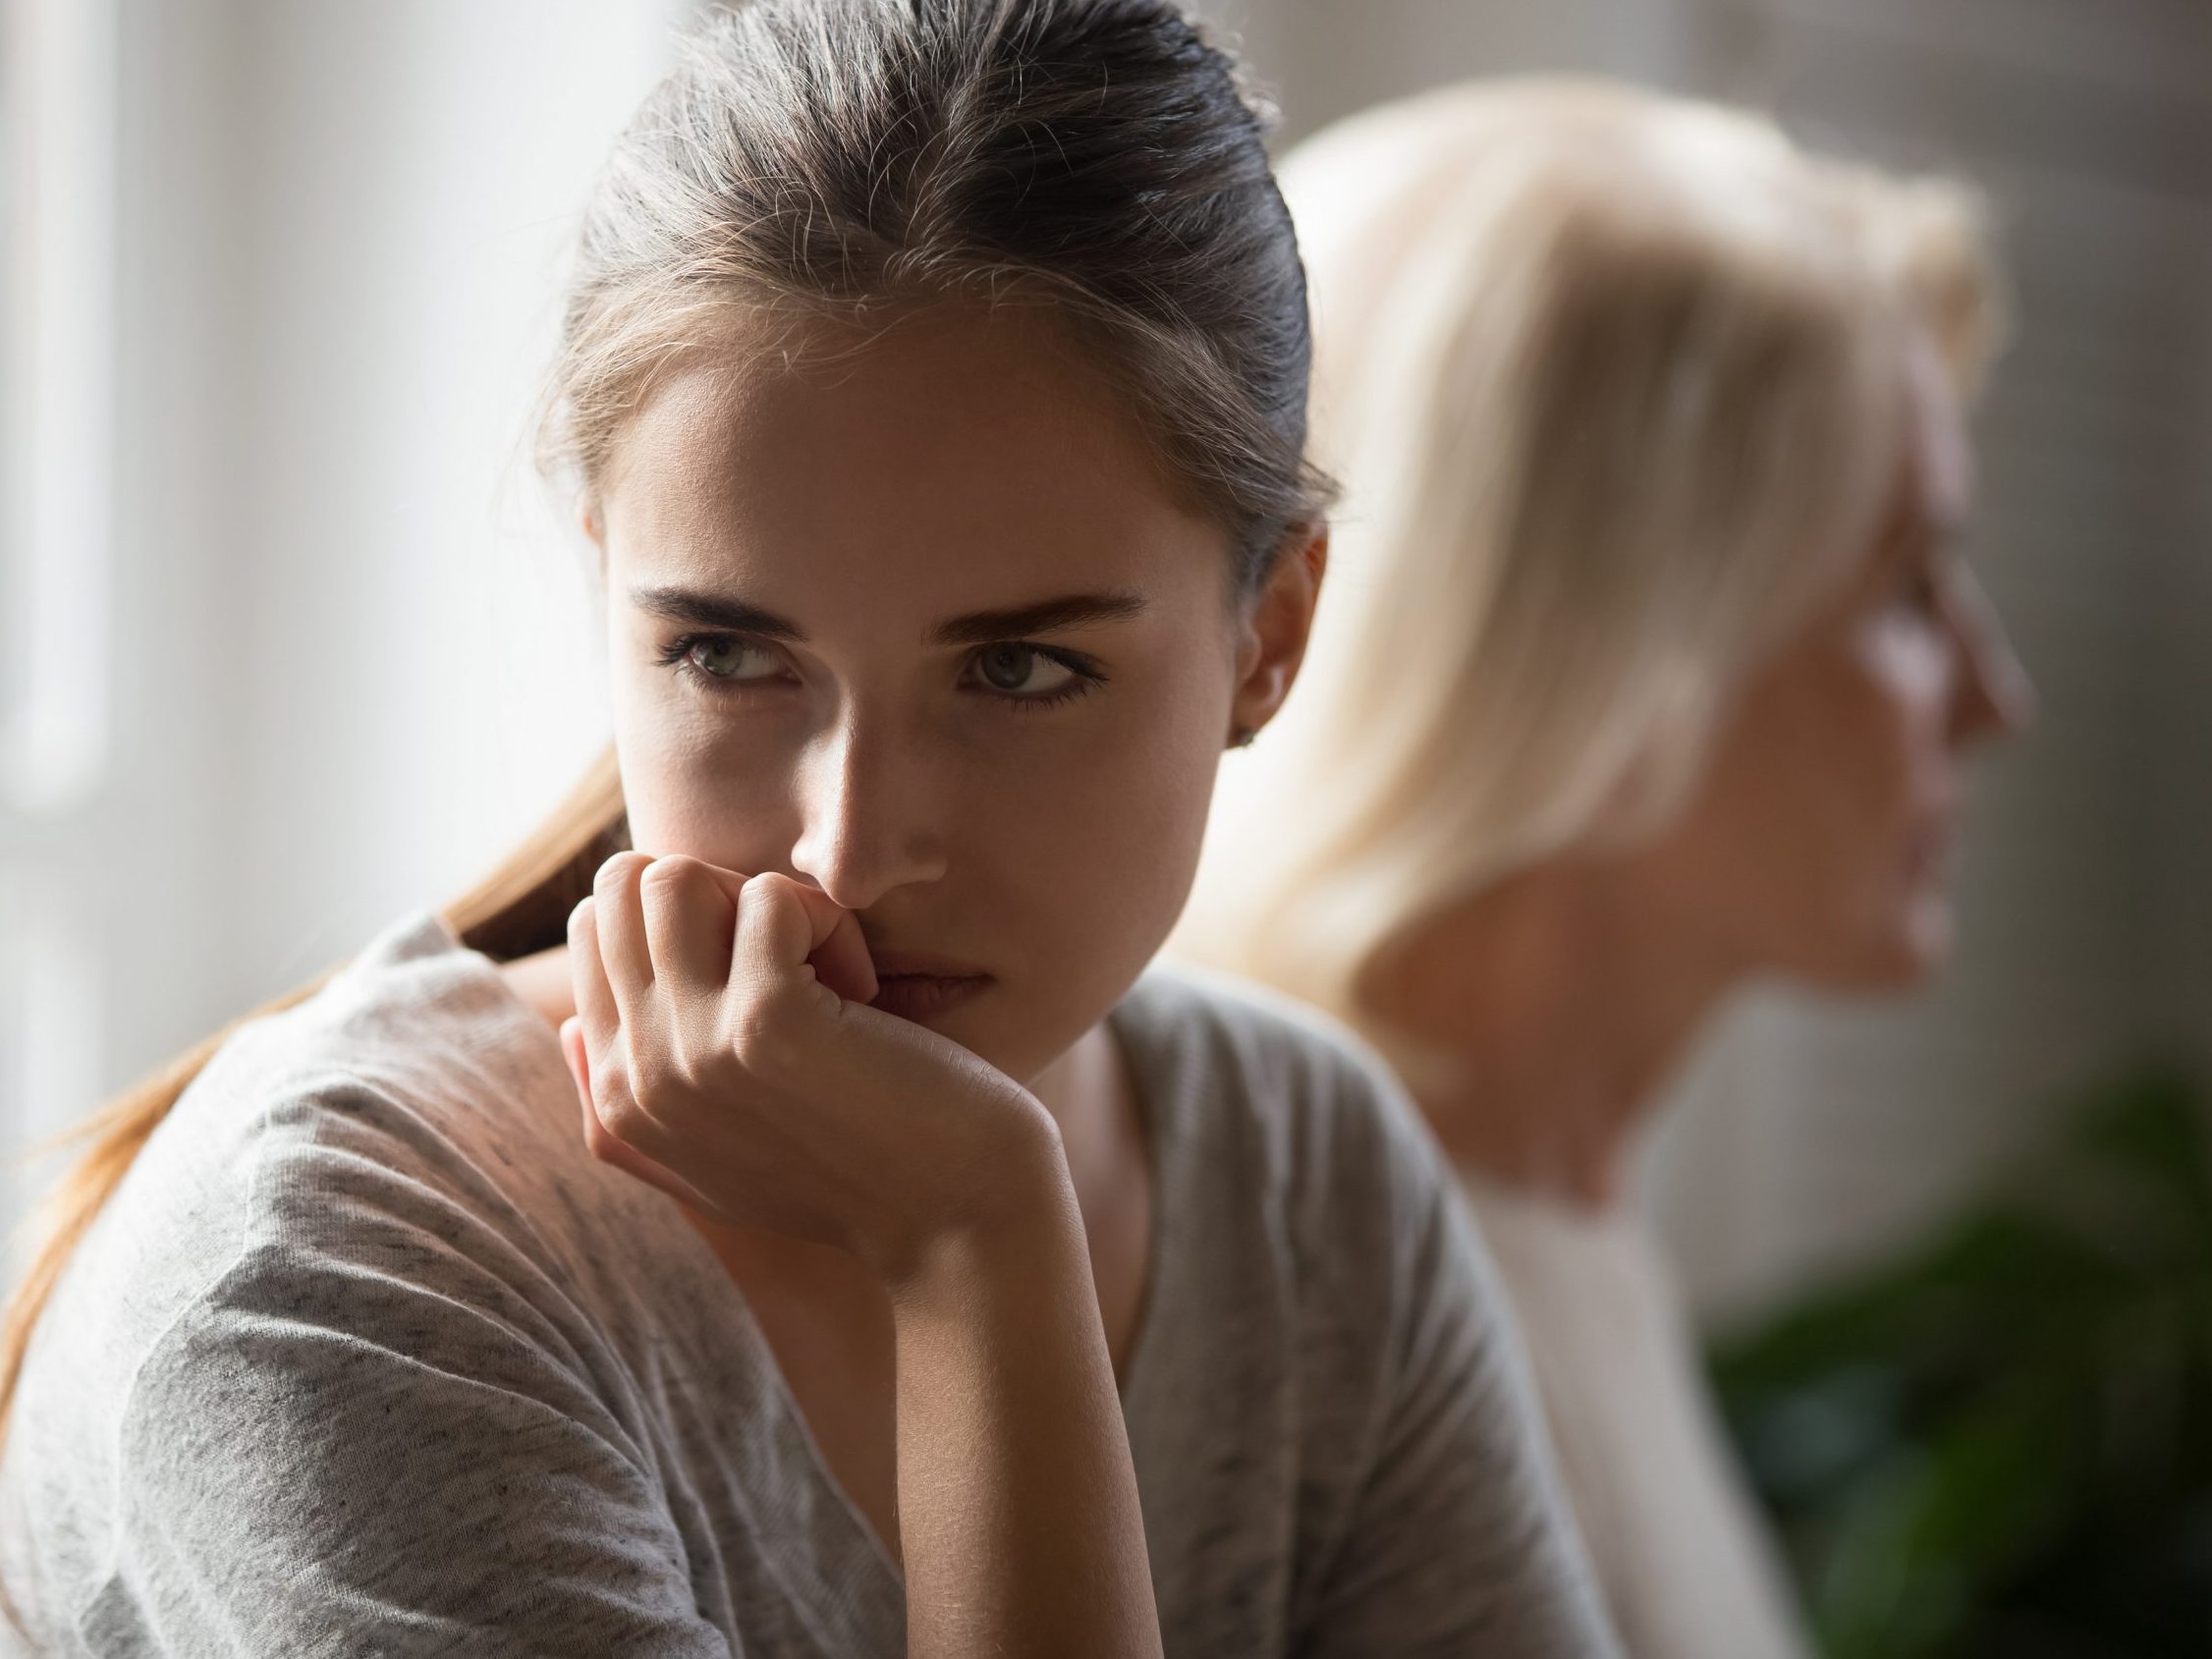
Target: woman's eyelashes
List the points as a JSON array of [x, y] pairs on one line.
[[1014, 673], [1919, 590], [1922, 581], [1031, 675], [721, 662]]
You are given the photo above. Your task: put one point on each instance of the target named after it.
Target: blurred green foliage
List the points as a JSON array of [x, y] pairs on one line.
[[2000, 1446]]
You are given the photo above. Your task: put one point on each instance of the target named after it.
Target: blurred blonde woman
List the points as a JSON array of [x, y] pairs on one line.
[[1648, 669]]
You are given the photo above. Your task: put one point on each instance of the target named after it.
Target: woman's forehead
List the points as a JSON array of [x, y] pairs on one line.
[[972, 452]]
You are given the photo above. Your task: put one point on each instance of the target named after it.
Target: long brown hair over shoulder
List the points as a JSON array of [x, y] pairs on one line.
[[829, 163]]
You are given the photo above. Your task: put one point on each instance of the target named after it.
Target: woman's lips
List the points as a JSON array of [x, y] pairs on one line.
[[924, 997], [918, 986]]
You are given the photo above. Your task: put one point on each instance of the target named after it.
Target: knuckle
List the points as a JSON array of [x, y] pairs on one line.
[[615, 872], [671, 873], [757, 1037], [653, 1082], [597, 1141], [768, 888], [610, 1090], [621, 1117]]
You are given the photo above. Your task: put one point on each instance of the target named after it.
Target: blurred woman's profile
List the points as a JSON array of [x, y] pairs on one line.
[[1648, 670]]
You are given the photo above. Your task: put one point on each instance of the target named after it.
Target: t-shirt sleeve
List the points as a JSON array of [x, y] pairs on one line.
[[373, 1435], [1456, 1538]]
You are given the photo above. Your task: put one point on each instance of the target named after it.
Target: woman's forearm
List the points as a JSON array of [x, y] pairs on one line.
[[1018, 1510]]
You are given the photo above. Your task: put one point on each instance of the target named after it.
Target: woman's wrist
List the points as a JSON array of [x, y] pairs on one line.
[[1012, 1448], [1011, 1198]]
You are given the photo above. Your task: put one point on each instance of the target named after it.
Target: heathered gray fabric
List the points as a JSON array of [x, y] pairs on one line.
[[368, 1356]]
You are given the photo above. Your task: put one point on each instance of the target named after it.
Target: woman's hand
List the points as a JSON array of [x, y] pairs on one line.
[[724, 1052]]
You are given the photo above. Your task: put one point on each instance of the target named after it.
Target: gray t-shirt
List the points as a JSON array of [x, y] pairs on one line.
[[368, 1355]]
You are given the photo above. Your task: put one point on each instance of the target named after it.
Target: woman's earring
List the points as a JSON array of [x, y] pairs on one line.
[[1240, 737]]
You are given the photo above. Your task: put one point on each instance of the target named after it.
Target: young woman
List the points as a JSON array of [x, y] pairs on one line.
[[1649, 668], [771, 1216]]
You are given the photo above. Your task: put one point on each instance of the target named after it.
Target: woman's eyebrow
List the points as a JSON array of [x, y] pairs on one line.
[[696, 609], [1074, 610]]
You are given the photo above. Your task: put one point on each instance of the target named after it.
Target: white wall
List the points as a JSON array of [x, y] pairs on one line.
[[346, 654]]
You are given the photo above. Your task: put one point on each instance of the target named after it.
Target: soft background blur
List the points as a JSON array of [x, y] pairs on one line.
[[292, 639]]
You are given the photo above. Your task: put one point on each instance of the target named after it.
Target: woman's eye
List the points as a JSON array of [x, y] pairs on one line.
[[1031, 674], [724, 658], [1920, 590]]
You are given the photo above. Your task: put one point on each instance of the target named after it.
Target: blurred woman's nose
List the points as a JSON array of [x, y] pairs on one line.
[[864, 828], [1993, 698]]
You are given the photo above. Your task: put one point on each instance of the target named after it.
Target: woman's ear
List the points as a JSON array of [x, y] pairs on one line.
[[593, 523], [1276, 624]]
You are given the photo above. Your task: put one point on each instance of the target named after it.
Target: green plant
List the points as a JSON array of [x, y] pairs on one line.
[[2001, 1444]]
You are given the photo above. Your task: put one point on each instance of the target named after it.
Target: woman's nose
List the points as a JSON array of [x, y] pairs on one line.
[[864, 826], [1995, 697]]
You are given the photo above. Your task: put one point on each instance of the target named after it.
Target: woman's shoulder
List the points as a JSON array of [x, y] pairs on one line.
[[1247, 1057], [1323, 1309], [1259, 1103], [411, 1082], [401, 1139], [368, 1246], [414, 1017]]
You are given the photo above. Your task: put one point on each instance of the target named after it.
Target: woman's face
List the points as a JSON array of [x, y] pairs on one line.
[[923, 623], [1821, 843]]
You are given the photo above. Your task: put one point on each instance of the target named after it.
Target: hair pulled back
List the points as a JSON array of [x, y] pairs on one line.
[[847, 158], [840, 161]]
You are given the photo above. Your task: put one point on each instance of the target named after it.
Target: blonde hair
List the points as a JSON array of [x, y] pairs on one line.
[[840, 159], [1613, 384]]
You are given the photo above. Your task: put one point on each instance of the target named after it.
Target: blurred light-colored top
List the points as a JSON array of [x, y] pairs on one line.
[[1681, 1553]]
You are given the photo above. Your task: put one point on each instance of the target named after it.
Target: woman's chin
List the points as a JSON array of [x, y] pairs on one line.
[[1896, 955], [1907, 954]]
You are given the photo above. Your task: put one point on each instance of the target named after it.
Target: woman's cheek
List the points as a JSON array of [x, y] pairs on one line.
[[1119, 812], [1903, 778], [1909, 684], [707, 792]]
